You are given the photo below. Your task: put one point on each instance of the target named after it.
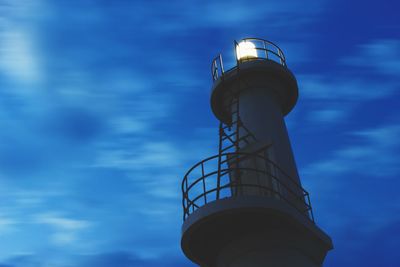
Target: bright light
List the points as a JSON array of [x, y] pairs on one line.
[[246, 50]]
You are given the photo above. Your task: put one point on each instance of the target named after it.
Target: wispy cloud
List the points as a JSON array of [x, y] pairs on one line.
[[146, 155], [358, 175], [363, 157], [6, 225], [66, 229], [381, 56], [335, 95], [61, 222], [19, 58]]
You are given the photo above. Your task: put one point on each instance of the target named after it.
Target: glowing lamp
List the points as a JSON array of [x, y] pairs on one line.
[[246, 50]]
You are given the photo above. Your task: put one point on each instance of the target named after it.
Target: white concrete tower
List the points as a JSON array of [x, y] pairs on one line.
[[245, 206]]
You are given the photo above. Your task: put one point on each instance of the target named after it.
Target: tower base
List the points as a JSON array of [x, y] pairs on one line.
[[253, 231], [260, 250]]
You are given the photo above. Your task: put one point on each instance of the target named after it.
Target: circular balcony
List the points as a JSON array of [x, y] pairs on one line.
[[249, 49], [230, 175]]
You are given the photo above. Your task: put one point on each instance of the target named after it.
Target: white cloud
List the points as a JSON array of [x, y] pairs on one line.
[[382, 55], [65, 229], [128, 125], [355, 179], [375, 155], [166, 186], [328, 115], [6, 225], [235, 13], [61, 222], [335, 97], [63, 238], [18, 57], [147, 154], [344, 88], [336, 94]]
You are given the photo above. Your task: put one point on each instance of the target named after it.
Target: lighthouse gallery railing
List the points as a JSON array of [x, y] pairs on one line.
[[266, 50], [199, 185]]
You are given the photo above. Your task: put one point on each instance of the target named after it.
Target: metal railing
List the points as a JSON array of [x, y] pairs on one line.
[[199, 185], [265, 50], [217, 67]]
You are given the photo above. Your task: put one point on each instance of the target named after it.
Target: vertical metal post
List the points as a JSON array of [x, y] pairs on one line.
[[215, 70], [183, 200], [310, 208], [204, 183], [222, 64], [235, 44], [283, 57], [238, 123], [219, 160], [237, 143], [187, 196], [280, 57], [265, 49]]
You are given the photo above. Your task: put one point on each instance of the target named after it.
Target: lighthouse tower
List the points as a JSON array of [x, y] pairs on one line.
[[245, 206]]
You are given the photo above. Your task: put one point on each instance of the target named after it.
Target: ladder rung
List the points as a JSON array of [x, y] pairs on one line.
[[227, 126], [228, 147], [230, 139], [226, 137], [230, 135]]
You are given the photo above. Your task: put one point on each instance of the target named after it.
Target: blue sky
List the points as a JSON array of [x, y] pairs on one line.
[[104, 105]]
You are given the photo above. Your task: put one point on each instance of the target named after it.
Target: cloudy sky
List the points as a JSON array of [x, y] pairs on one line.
[[104, 105]]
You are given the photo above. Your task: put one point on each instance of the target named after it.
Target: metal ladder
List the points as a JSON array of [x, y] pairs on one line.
[[233, 136]]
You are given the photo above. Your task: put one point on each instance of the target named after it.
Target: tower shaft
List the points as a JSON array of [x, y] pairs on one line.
[[261, 114]]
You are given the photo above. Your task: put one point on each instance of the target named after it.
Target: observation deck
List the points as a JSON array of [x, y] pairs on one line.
[[211, 180]]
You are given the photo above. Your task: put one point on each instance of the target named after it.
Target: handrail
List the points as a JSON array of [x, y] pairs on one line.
[[227, 170], [292, 193], [217, 67], [266, 42], [269, 51], [245, 154]]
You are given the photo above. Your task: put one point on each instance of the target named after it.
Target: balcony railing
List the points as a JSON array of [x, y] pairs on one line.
[[241, 174], [264, 49]]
